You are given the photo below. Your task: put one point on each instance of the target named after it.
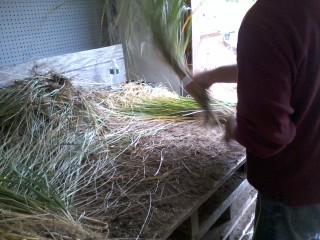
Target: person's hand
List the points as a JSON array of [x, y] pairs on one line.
[[205, 79], [230, 127], [197, 85], [229, 135], [201, 95]]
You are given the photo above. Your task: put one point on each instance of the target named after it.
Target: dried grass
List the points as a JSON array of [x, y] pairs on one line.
[[71, 156]]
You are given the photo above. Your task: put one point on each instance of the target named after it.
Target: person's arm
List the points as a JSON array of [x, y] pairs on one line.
[[198, 85], [223, 74]]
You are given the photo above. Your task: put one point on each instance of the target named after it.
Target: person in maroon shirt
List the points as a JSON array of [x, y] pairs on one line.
[[278, 114]]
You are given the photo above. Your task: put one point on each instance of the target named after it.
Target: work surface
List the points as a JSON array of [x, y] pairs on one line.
[[186, 163]]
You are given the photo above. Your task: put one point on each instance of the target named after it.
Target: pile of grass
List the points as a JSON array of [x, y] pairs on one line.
[[54, 144], [40, 136], [65, 155]]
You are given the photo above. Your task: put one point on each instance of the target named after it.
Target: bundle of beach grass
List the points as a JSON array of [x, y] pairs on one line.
[[169, 23]]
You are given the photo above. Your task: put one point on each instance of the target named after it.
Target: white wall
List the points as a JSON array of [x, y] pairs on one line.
[[31, 30]]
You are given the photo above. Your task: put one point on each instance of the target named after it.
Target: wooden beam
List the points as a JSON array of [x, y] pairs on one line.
[[219, 211]]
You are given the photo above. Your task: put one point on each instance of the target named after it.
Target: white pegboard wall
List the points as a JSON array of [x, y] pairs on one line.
[[36, 29]]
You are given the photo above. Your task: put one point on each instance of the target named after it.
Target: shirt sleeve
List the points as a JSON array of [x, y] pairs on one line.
[[265, 74]]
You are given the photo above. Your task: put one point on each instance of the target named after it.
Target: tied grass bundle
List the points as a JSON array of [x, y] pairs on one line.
[[158, 103], [177, 109], [167, 109]]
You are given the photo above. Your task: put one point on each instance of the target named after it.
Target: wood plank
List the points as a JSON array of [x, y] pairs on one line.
[[195, 225], [218, 212], [224, 230], [86, 67]]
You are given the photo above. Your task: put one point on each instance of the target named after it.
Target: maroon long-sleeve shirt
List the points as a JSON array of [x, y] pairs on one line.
[[278, 111]]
